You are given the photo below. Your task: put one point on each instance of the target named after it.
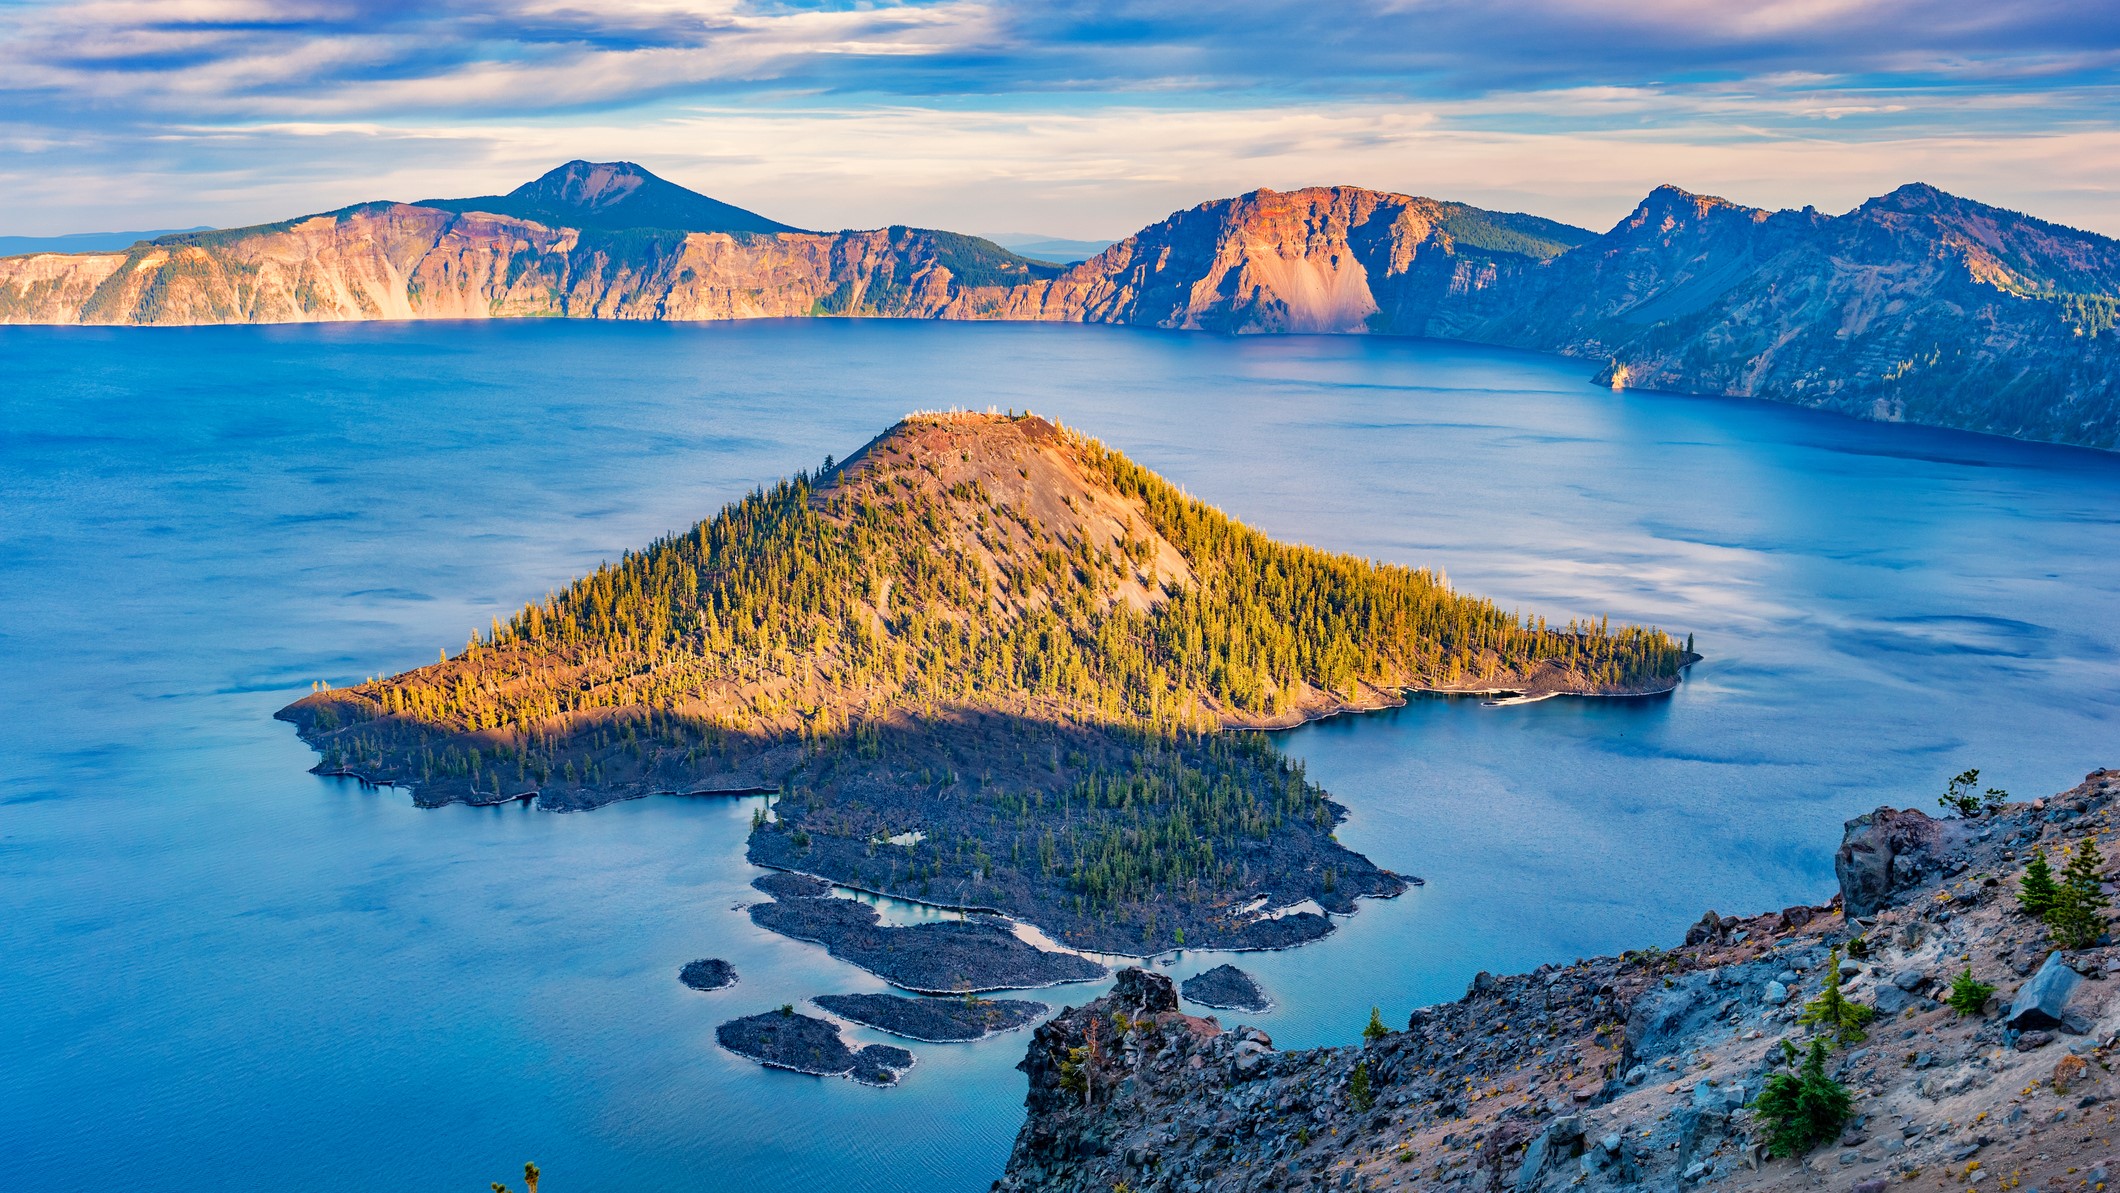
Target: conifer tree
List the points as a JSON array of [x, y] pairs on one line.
[[2036, 890], [2075, 919], [1831, 1010], [1803, 1109], [1376, 1029], [1959, 795], [1360, 1094]]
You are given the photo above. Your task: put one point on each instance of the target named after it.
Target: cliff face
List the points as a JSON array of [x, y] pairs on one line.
[[402, 261], [1326, 259], [1637, 1072], [1917, 306]]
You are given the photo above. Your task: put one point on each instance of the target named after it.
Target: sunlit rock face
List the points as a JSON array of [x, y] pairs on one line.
[[1918, 306]]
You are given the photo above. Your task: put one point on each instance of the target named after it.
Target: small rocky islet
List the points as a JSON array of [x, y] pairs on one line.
[[785, 1039], [707, 973], [934, 1020], [1226, 988]]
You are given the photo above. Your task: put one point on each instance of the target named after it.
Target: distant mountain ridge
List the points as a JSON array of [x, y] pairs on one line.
[[1917, 306], [83, 242]]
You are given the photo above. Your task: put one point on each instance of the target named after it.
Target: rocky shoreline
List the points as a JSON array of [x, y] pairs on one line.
[[801, 1044], [934, 1020], [1639, 1071], [969, 956]]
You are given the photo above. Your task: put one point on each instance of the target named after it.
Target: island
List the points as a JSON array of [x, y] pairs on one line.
[[935, 1020], [707, 973], [1226, 988], [985, 663], [799, 1043]]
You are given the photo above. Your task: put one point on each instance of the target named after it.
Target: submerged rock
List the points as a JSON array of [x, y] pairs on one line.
[[934, 1020], [707, 973], [1227, 988], [802, 1044]]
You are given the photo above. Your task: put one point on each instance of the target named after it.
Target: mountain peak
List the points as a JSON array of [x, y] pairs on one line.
[[1917, 197], [589, 184], [1668, 207], [611, 196]]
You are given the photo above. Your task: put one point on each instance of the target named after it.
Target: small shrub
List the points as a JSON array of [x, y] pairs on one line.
[[1803, 1109], [787, 1009], [1074, 1078], [1968, 994], [1960, 796]]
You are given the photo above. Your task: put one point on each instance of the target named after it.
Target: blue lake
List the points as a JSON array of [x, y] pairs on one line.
[[223, 973]]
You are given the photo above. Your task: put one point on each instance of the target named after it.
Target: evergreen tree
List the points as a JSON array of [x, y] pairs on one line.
[[1360, 1095], [1803, 1109], [2075, 919], [1832, 1012], [1376, 1029], [1959, 795], [2036, 890]]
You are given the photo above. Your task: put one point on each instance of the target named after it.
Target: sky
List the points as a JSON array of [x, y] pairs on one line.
[[1084, 119]]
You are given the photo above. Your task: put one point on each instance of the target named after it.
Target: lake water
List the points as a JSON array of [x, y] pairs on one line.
[[223, 973]]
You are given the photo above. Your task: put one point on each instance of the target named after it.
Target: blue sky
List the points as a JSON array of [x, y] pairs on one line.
[[1082, 119]]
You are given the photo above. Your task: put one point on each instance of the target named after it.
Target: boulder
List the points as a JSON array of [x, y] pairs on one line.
[[1711, 927], [1909, 980], [1884, 852], [1891, 1000], [1147, 993], [1775, 994], [2042, 1001]]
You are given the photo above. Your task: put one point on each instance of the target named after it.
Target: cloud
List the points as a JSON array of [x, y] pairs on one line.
[[257, 58], [1083, 117]]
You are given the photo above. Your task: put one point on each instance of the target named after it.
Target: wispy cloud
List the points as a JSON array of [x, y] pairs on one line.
[[1078, 117]]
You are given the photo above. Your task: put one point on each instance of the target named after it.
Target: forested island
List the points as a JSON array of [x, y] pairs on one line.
[[985, 662]]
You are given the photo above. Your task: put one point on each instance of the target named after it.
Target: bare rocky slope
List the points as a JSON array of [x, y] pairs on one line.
[[1636, 1072], [1917, 306]]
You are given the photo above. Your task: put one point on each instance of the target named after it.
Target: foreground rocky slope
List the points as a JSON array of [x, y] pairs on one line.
[[1917, 306], [1635, 1072]]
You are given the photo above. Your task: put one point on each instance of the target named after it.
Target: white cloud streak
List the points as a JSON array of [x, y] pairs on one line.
[[1083, 119]]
